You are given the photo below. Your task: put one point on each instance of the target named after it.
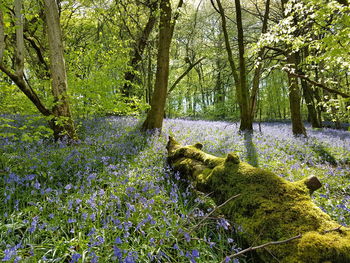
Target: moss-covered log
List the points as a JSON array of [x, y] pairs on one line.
[[269, 208]]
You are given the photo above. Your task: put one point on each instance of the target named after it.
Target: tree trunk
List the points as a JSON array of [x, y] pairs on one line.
[[154, 119], [310, 104], [19, 59], [149, 78], [240, 79], [294, 98], [139, 49], [246, 118], [2, 36], [62, 124], [267, 207], [257, 71]]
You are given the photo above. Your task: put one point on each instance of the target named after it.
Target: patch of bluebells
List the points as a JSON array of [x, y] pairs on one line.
[[112, 196]]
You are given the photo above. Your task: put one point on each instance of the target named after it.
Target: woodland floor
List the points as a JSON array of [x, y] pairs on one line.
[[112, 198]]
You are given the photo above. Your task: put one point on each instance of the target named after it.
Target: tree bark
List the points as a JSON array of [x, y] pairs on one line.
[[294, 98], [62, 123], [310, 104], [293, 60], [19, 59], [246, 118], [267, 208], [155, 116]]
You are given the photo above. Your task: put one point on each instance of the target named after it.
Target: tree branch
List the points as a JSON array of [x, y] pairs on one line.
[[317, 84], [260, 246], [273, 243], [27, 90], [176, 16], [38, 52], [215, 209], [280, 50], [184, 74]]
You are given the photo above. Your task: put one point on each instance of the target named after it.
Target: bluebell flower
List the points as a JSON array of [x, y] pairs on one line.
[[93, 217], [223, 223], [118, 253], [195, 253], [118, 241], [71, 220], [94, 257], [33, 224], [11, 252], [129, 259], [37, 185], [75, 258]]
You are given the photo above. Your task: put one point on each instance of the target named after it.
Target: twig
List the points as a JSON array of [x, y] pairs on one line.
[[216, 208], [273, 243], [261, 246], [331, 230]]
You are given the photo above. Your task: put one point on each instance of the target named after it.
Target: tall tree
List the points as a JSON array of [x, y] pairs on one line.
[[293, 60], [239, 75], [258, 69], [155, 116], [63, 123]]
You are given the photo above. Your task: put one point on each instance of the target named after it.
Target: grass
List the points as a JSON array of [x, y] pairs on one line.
[[112, 197]]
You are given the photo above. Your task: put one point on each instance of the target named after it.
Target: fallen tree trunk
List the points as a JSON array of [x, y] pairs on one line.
[[268, 207]]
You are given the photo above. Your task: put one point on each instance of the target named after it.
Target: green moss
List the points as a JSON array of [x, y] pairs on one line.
[[269, 207]]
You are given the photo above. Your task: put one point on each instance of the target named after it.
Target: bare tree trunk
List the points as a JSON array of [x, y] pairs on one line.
[[310, 104], [294, 98], [149, 78], [246, 118], [62, 124], [293, 60], [19, 59], [154, 119]]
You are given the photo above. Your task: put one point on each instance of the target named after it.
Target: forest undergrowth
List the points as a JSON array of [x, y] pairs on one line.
[[112, 198]]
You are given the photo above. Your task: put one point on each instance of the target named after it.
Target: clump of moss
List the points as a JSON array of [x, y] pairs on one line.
[[269, 207]]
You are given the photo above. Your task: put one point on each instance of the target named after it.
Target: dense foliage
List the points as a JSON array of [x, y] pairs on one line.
[[112, 197]]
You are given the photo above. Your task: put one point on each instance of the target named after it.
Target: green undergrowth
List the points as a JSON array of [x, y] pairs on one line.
[[112, 198]]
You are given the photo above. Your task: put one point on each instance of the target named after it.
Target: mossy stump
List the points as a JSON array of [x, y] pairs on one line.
[[269, 208]]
